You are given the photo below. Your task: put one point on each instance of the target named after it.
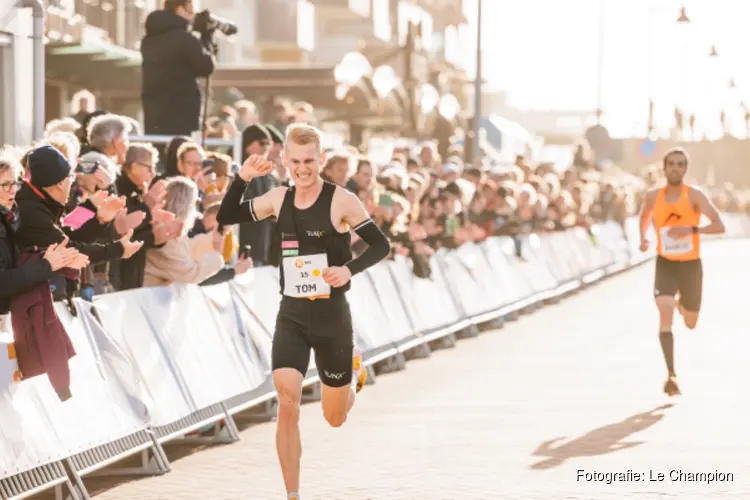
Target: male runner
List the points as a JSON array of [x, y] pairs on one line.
[[315, 218], [676, 210]]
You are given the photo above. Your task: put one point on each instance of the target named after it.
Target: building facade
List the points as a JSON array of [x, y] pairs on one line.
[[16, 75]]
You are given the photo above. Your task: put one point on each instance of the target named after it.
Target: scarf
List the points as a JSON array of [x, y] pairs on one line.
[[11, 218]]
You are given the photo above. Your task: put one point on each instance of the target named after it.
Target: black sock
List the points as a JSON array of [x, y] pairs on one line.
[[667, 346]]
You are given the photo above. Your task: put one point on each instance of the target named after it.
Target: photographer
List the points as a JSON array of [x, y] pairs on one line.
[[172, 60]]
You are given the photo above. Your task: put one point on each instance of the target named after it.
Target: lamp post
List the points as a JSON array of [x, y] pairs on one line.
[[477, 87], [600, 68], [683, 22]]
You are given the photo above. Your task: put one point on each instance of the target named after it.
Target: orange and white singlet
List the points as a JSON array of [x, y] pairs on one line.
[[680, 213]]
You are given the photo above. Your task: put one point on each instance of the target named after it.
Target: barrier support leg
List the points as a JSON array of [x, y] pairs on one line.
[[227, 431], [78, 490], [371, 377], [312, 393], [154, 462], [419, 352], [447, 342], [262, 413], [393, 364], [470, 331], [66, 491]]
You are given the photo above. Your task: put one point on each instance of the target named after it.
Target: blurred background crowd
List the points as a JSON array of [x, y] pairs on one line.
[[133, 202], [146, 216]]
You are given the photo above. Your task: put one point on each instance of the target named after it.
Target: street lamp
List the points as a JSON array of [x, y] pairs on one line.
[[449, 107], [428, 98], [714, 52], [385, 80], [352, 68], [683, 21]]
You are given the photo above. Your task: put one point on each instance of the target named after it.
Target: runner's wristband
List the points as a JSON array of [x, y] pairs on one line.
[[696, 229], [378, 247]]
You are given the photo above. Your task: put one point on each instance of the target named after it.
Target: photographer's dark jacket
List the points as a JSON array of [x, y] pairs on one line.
[[15, 278], [172, 60]]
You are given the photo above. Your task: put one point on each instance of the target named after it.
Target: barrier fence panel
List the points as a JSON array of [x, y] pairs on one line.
[[431, 309], [170, 360], [460, 268], [504, 262], [535, 267], [372, 325], [403, 331], [189, 362]]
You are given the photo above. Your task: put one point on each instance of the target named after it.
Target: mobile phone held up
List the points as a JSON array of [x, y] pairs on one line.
[[245, 252]]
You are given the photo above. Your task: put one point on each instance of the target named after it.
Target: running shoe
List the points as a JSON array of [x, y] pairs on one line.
[[359, 371], [671, 388]]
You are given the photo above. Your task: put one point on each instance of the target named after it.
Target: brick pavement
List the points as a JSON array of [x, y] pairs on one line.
[[515, 413]]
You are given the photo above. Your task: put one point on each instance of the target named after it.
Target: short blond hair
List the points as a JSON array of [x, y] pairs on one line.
[[10, 160], [62, 125], [65, 142], [187, 147], [303, 134]]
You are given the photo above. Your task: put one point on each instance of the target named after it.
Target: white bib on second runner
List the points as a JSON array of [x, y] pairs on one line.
[[303, 276], [675, 246]]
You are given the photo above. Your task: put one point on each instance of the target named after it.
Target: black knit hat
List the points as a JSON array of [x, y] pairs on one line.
[[255, 133], [276, 136], [47, 166]]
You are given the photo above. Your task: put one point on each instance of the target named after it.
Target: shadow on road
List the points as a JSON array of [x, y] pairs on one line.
[[600, 441]]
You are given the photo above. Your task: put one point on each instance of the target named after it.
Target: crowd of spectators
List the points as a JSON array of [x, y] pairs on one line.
[[127, 215]]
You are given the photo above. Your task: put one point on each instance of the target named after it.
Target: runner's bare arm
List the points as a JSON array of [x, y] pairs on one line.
[[707, 207], [235, 210], [646, 211], [359, 221]]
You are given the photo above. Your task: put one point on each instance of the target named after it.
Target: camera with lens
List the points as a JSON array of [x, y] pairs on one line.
[[207, 24]]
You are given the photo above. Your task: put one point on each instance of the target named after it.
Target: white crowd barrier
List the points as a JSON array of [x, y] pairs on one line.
[[154, 364]]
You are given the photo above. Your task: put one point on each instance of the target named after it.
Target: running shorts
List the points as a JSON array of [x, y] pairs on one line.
[[683, 277], [324, 325]]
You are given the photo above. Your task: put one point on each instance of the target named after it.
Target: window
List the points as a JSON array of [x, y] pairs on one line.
[[6, 87], [451, 44], [305, 25], [381, 20], [361, 7]]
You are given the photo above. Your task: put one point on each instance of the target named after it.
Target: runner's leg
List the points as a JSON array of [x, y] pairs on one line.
[[691, 291], [666, 287], [290, 359], [335, 359]]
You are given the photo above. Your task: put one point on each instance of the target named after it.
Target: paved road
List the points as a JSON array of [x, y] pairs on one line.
[[515, 413]]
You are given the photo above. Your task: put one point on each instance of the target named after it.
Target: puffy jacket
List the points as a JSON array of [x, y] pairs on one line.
[[15, 278], [172, 60]]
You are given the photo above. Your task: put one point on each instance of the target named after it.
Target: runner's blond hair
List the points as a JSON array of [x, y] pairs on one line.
[[303, 134]]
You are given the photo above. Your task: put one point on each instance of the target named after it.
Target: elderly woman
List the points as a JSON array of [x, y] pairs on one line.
[[177, 261], [15, 280]]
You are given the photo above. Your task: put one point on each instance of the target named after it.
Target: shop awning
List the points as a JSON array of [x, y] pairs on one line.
[[94, 63], [314, 84], [310, 83]]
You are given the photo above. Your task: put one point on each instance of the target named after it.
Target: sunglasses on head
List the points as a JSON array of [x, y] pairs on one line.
[[87, 167]]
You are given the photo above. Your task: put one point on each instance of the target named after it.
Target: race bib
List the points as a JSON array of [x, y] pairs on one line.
[[675, 246], [303, 276]]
